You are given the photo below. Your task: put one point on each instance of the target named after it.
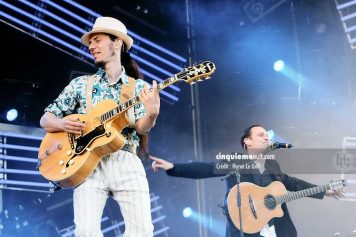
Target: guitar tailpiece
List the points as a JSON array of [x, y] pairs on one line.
[[56, 186]]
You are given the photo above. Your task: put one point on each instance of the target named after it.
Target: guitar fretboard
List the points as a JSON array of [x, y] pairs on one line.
[[132, 102], [189, 75], [300, 194]]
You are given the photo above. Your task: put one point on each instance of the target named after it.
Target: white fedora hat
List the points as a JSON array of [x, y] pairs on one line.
[[111, 26]]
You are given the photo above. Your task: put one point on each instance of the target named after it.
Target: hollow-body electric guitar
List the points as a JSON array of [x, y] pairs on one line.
[[67, 159]]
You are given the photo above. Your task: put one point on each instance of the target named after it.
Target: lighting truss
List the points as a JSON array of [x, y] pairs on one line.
[[18, 150], [347, 12], [62, 23]]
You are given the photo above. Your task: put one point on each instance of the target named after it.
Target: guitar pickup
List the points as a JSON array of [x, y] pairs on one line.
[[252, 206]]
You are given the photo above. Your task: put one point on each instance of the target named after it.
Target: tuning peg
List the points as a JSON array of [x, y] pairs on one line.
[[207, 78], [193, 82]]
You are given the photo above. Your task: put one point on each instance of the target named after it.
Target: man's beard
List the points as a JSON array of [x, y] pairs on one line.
[[100, 64]]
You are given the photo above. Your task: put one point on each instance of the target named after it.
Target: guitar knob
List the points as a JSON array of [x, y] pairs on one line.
[[71, 162], [63, 171], [69, 152], [108, 134], [61, 162]]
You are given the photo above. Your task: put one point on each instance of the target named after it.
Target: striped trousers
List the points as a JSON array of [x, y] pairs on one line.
[[122, 175]]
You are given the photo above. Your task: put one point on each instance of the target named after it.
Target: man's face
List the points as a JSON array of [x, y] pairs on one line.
[[102, 48], [258, 139]]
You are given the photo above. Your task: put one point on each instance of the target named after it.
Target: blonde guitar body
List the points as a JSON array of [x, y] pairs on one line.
[[63, 162], [260, 204], [253, 200]]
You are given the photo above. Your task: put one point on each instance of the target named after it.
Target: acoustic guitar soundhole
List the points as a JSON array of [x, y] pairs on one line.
[[270, 202]]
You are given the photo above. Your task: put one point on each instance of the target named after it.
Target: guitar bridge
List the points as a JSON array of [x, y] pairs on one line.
[[252, 206]]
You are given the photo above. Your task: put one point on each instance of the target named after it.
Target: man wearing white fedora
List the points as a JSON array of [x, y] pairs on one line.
[[121, 174]]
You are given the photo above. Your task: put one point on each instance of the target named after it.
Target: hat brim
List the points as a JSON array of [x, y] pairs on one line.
[[127, 39]]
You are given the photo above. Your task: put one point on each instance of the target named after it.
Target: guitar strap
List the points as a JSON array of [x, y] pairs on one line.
[[88, 95], [128, 92]]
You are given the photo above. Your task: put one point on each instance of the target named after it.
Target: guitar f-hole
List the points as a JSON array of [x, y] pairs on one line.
[[67, 164]]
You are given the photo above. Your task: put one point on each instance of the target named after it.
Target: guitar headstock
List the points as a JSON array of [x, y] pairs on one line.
[[197, 73], [336, 185]]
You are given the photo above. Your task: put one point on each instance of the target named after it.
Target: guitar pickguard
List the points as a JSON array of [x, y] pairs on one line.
[[84, 141]]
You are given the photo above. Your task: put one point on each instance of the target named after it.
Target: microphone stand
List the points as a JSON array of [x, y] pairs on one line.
[[238, 196]]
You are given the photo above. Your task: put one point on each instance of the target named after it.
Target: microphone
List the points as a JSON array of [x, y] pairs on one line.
[[279, 145]]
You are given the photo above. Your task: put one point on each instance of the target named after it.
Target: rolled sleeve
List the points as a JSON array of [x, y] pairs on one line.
[[66, 102]]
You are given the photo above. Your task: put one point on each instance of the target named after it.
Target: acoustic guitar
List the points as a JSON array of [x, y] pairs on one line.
[[67, 159], [260, 204]]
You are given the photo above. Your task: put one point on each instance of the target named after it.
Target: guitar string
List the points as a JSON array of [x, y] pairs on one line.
[[260, 203], [165, 83], [279, 199]]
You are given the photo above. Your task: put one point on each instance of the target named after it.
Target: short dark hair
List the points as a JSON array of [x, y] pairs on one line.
[[247, 133]]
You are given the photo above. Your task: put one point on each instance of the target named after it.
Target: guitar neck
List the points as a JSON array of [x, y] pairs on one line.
[[189, 75], [112, 114], [302, 193]]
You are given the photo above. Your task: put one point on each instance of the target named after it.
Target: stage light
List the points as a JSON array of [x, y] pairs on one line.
[[11, 115], [187, 212], [25, 223], [278, 65], [270, 134]]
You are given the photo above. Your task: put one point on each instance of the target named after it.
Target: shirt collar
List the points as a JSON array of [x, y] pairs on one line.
[[101, 73]]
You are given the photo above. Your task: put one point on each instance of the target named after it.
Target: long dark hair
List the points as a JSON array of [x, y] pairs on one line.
[[133, 70]]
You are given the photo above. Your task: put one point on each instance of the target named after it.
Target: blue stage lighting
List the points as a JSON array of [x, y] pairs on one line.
[[187, 212], [11, 115], [278, 65], [270, 134]]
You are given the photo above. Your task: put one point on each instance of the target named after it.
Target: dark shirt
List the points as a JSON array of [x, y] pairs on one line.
[[284, 226]]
